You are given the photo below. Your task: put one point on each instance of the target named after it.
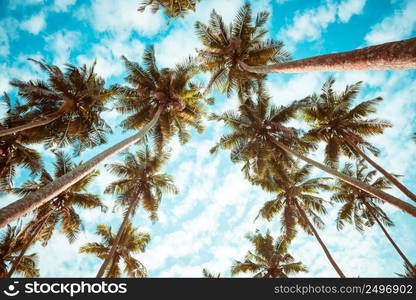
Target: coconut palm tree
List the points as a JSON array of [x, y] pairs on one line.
[[69, 104], [360, 208], [162, 103], [131, 242], [13, 149], [11, 242], [173, 8], [270, 258], [344, 127], [257, 129], [388, 56], [140, 183], [297, 201], [208, 274], [243, 40], [61, 211]]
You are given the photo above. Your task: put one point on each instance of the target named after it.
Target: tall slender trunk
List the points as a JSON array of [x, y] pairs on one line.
[[316, 234], [389, 56], [406, 260], [35, 199], [386, 174], [18, 259], [404, 206], [112, 268], [120, 232]]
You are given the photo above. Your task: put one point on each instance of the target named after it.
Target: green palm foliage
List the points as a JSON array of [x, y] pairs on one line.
[[131, 242], [173, 8], [251, 126], [72, 100], [11, 242], [141, 181], [359, 207], [171, 90], [13, 150], [243, 40], [62, 209], [270, 258]]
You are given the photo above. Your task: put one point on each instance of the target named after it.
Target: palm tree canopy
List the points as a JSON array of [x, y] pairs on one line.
[[11, 243], [132, 242], [358, 207], [63, 207], [13, 151], [151, 88], [243, 40], [208, 274], [334, 117], [290, 186], [173, 8], [141, 180], [253, 125], [78, 95], [270, 258]]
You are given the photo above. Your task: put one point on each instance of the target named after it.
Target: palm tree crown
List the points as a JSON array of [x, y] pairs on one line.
[[270, 258], [75, 97], [131, 242], [173, 8], [225, 46], [168, 89]]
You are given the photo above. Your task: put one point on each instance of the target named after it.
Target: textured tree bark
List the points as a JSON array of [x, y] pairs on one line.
[[386, 174], [27, 245], [120, 232], [316, 234], [32, 201], [404, 206], [406, 260], [389, 56]]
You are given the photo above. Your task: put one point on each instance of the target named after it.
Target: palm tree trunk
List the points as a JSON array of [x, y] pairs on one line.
[[112, 268], [389, 56], [404, 206], [386, 174], [316, 234], [120, 232], [406, 260], [41, 122], [18, 260], [35, 199]]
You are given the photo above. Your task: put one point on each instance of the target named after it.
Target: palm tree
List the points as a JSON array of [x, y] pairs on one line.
[[224, 46], [297, 201], [344, 127], [410, 271], [257, 130], [13, 151], [61, 210], [173, 8], [140, 183], [361, 208], [388, 56], [131, 242], [162, 103], [208, 274], [69, 104], [11, 243], [270, 258]]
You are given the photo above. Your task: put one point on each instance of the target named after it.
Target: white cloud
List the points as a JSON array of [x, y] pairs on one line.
[[34, 24], [398, 26], [349, 8], [61, 44], [15, 3], [8, 32], [62, 5]]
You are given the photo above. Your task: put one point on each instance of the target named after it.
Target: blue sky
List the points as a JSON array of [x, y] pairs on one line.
[[205, 225]]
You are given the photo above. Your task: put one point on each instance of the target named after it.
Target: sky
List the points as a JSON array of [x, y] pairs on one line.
[[205, 225]]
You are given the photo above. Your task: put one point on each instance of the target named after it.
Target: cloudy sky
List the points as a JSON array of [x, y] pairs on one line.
[[205, 225]]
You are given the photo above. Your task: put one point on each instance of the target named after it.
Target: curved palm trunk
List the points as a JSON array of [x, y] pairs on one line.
[[18, 259], [406, 260], [32, 201], [386, 174], [316, 234], [110, 256], [404, 206], [389, 56]]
